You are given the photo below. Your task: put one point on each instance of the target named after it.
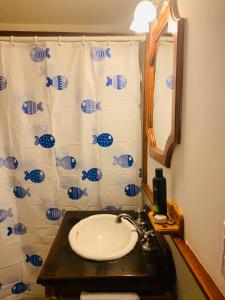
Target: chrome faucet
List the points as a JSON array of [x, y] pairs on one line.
[[119, 218]]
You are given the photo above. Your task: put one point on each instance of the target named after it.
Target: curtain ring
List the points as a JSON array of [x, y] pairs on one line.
[[12, 41], [35, 40], [108, 40], [83, 37], [59, 40]]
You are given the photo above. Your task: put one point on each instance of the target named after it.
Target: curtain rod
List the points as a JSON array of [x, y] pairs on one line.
[[58, 38]]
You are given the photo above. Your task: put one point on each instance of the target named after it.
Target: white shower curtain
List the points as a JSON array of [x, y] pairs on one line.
[[70, 139]]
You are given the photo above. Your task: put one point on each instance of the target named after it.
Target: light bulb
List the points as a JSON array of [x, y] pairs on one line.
[[139, 26], [145, 11]]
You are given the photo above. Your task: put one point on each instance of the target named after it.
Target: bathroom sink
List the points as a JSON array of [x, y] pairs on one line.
[[99, 238]]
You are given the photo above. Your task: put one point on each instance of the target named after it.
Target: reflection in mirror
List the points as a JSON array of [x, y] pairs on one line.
[[163, 87]]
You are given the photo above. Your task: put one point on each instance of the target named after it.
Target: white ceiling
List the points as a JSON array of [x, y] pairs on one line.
[[97, 13]]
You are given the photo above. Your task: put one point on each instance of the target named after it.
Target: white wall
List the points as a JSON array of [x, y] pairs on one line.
[[186, 285], [196, 179]]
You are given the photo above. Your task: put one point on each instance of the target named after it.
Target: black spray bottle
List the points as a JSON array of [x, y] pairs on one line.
[[159, 193]]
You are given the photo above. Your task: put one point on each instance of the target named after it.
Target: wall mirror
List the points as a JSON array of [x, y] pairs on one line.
[[163, 85]]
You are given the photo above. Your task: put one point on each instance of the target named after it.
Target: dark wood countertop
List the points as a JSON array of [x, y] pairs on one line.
[[65, 267]]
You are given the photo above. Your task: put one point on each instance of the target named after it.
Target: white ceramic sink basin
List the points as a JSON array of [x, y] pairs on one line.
[[99, 238]]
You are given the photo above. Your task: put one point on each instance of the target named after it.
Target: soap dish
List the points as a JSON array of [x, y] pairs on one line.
[[174, 224]]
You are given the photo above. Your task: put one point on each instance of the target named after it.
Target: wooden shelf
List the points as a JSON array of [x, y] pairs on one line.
[[174, 213]]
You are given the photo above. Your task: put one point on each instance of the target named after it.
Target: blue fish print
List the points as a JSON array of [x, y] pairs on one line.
[[35, 260], [170, 82], [54, 213], [5, 213], [20, 192], [93, 174], [104, 140], [89, 106], [18, 229], [75, 193], [125, 160], [3, 83], [99, 53], [10, 162], [35, 176], [38, 54], [30, 107], [19, 288], [132, 190], [58, 82], [67, 162], [110, 208], [119, 82], [46, 141]]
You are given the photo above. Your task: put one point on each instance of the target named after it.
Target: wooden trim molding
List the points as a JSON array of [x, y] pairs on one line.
[[145, 113], [148, 192], [205, 282]]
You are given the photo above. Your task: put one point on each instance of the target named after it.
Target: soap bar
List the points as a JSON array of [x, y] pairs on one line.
[[160, 219]]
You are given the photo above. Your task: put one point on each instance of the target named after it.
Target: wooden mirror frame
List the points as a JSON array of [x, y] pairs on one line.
[[164, 156]]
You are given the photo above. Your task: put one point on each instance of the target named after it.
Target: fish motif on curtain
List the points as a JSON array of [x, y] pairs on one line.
[[132, 190], [5, 214], [93, 174], [90, 106], [46, 140], [17, 229], [67, 162], [124, 160], [31, 107], [38, 54], [58, 82], [75, 193], [98, 54], [36, 176], [34, 259], [10, 162], [119, 82], [54, 213], [20, 287], [103, 139], [3, 83], [20, 192]]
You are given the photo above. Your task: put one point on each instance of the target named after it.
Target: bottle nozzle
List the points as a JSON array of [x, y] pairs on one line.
[[158, 172]]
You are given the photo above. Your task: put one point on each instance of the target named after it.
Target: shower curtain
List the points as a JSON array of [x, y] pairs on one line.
[[70, 139]]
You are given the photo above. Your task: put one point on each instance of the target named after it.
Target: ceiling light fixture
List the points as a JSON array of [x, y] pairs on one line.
[[144, 13]]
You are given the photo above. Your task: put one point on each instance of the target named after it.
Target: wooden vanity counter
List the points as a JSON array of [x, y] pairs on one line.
[[65, 274]]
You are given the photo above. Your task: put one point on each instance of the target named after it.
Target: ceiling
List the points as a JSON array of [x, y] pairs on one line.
[[106, 16]]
